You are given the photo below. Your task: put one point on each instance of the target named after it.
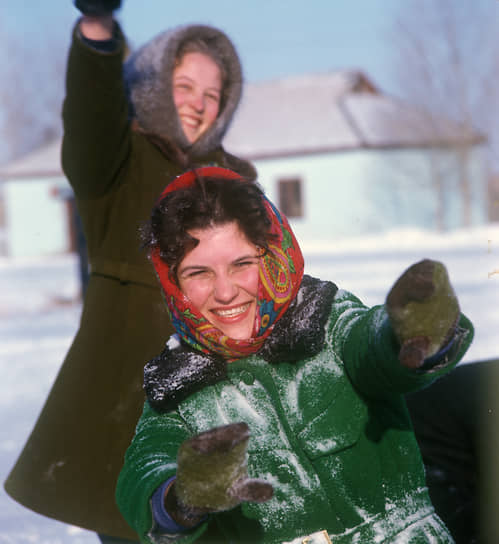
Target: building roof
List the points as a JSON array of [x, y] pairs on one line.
[[43, 162], [310, 113], [332, 112]]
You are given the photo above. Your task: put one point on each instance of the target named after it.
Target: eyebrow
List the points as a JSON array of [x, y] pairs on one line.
[[245, 258], [183, 76], [193, 267]]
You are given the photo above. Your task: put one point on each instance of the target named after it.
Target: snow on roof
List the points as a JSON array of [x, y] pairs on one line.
[[309, 113], [286, 115], [43, 162], [331, 111], [385, 121]]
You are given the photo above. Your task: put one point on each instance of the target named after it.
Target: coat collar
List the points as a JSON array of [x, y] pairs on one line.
[[180, 371]]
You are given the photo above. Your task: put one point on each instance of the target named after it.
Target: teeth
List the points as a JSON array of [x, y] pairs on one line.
[[190, 122], [232, 312]]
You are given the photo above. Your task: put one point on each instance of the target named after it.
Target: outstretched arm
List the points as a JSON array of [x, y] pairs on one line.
[[207, 473], [424, 313], [212, 476], [418, 335]]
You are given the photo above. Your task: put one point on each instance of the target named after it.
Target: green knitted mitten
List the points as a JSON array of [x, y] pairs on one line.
[[423, 311], [212, 474]]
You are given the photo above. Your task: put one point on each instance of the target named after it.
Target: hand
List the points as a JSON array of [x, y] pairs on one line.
[[212, 475], [97, 8], [423, 310]]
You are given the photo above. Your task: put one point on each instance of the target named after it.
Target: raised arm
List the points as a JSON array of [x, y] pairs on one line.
[[96, 140]]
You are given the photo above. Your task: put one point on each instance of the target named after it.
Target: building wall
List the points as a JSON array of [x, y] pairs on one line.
[[350, 193], [36, 219], [369, 191]]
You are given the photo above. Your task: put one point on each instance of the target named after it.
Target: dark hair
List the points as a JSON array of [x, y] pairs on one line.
[[210, 201]]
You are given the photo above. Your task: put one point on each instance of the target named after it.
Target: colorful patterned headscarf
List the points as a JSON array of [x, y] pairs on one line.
[[280, 275]]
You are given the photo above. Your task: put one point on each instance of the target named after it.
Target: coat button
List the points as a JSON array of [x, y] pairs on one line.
[[247, 377]]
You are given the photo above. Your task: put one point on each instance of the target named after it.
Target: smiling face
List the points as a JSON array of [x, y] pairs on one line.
[[197, 89], [220, 278]]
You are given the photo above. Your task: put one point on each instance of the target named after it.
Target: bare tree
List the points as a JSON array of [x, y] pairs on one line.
[[446, 59]]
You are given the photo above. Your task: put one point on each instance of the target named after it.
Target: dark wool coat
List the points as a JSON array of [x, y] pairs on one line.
[[69, 466], [330, 432], [458, 447]]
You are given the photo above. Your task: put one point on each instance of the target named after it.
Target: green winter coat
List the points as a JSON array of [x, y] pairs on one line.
[[331, 433], [69, 466]]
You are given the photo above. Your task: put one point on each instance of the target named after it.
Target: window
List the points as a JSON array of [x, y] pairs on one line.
[[290, 197]]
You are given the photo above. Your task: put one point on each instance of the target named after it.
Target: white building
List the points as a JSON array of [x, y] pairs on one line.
[[340, 158], [35, 219], [336, 155]]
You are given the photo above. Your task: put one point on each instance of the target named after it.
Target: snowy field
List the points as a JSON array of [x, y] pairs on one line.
[[39, 312]]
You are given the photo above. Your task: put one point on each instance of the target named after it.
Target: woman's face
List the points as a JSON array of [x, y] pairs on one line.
[[220, 277], [197, 89]]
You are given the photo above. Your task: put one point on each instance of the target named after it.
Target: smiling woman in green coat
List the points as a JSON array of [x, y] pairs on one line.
[[276, 413], [128, 129]]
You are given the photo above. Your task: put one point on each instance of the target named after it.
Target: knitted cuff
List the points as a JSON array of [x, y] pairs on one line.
[[103, 46], [163, 520], [438, 357]]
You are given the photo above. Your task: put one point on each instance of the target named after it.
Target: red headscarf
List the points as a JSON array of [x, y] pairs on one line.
[[280, 275]]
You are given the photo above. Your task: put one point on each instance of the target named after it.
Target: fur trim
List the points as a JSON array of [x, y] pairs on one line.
[[148, 76], [181, 371], [244, 168], [177, 373], [301, 331]]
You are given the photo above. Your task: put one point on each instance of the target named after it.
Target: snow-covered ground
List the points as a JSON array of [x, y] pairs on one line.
[[39, 312]]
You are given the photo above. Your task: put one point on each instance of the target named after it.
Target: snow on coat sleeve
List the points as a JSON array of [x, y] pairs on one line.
[[368, 346], [150, 461]]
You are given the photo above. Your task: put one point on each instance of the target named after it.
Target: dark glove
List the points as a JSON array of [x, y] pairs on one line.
[[97, 7], [423, 311], [212, 475]]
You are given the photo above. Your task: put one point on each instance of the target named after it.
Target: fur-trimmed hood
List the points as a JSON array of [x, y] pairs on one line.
[[148, 76]]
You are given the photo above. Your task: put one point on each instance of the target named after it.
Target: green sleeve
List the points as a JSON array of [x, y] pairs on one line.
[[369, 349], [149, 461], [97, 134]]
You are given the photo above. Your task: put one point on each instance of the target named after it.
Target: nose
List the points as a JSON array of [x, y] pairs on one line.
[[197, 102], [225, 290]]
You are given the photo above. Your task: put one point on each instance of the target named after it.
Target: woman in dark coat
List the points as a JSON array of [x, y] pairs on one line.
[[275, 414], [128, 129]]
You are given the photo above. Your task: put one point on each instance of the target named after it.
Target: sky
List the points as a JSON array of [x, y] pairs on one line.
[[274, 37], [277, 38]]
